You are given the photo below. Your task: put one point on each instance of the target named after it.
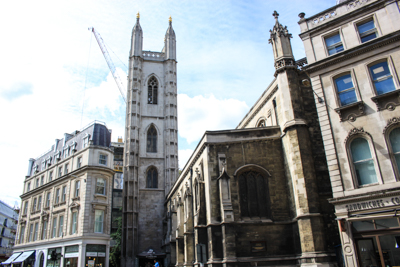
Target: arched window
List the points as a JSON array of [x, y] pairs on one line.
[[254, 196], [151, 139], [363, 162], [394, 138], [261, 123], [152, 89], [152, 178]]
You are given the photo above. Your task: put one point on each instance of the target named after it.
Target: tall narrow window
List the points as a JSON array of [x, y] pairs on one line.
[[64, 194], [60, 226], [101, 186], [35, 235], [37, 183], [42, 180], [345, 90], [34, 205], [54, 232], [74, 222], [151, 139], [31, 233], [77, 187], [367, 31], [48, 200], [44, 230], [22, 235], [99, 218], [66, 168], [363, 162], [253, 192], [382, 78], [50, 176], [152, 90], [79, 163], [103, 159], [25, 207], [152, 178], [39, 206], [57, 195], [334, 44], [59, 171], [394, 138]]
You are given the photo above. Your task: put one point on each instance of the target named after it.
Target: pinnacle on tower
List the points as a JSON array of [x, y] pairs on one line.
[[137, 38], [170, 42]]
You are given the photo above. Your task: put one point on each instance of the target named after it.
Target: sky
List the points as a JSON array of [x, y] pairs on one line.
[[55, 80]]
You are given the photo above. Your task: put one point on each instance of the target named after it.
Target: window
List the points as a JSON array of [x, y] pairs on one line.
[[345, 90], [64, 194], [50, 176], [28, 187], [152, 90], [22, 235], [363, 162], [35, 236], [42, 180], [86, 140], [54, 228], [77, 187], [39, 203], [382, 78], [101, 186], [30, 238], [103, 159], [152, 178], [261, 123], [334, 44], [66, 168], [57, 195], [66, 152], [79, 163], [99, 218], [34, 204], [26, 207], [367, 31], [44, 230], [394, 138], [59, 171], [253, 193], [48, 200], [151, 139], [74, 222], [37, 183], [60, 226], [43, 165]]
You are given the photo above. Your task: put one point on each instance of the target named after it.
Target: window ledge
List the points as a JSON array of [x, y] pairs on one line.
[[46, 208], [75, 199], [351, 112], [387, 101], [100, 196]]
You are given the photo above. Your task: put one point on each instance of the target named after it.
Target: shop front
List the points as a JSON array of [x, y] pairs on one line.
[[54, 257], [95, 255], [9, 261], [26, 259], [71, 256], [370, 231]]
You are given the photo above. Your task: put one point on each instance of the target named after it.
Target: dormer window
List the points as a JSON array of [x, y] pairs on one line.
[[48, 161], [35, 169], [66, 151], [86, 140], [43, 165], [58, 155], [73, 146]]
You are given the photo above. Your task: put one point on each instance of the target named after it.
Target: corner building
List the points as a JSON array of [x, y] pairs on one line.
[[151, 147], [353, 54], [66, 203], [258, 195]]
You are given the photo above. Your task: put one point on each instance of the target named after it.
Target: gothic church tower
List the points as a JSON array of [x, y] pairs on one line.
[[151, 146]]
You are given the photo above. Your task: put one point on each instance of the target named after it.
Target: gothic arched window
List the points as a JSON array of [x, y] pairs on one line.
[[151, 139], [253, 193], [152, 89], [152, 178]]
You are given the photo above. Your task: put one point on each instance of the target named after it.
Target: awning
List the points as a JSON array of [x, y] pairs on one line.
[[10, 259], [24, 256]]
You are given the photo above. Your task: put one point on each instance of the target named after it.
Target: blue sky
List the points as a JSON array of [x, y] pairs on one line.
[[55, 79]]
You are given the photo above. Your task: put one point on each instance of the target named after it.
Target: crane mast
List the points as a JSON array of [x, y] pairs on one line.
[[109, 62]]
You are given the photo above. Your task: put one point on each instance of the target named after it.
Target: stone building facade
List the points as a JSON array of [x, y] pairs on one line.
[[258, 195], [151, 147], [353, 54], [66, 203], [8, 229]]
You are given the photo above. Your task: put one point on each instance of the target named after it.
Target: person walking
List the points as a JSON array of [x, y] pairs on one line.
[[156, 264]]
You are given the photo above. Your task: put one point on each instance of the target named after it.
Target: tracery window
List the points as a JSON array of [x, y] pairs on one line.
[[254, 195], [152, 89], [152, 178], [152, 139]]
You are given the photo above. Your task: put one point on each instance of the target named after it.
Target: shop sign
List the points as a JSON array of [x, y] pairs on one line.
[[91, 254], [373, 204], [101, 254], [72, 255]]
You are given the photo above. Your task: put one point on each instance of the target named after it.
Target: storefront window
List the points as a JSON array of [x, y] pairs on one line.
[[95, 255], [54, 257], [71, 256]]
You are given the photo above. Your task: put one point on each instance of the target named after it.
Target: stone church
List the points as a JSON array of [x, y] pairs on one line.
[[256, 195]]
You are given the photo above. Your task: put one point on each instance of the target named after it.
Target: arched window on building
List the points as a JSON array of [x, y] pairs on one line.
[[152, 89], [151, 139], [363, 162], [254, 194], [261, 123], [394, 138], [152, 178]]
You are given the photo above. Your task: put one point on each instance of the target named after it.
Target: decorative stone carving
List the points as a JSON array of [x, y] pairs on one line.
[[356, 131], [351, 112], [391, 122], [285, 62], [387, 101], [278, 29]]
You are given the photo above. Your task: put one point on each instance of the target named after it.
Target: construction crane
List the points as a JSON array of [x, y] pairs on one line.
[[109, 62]]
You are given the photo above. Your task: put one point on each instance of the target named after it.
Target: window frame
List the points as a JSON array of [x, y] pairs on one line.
[[104, 187], [60, 171], [366, 20], [26, 203], [355, 87], [103, 159], [369, 140], [389, 146], [50, 176], [102, 221], [152, 178], [34, 205], [64, 194], [74, 222], [30, 238], [152, 139], [329, 35], [79, 162], [152, 93], [57, 196], [44, 230], [77, 188], [39, 203], [36, 231], [22, 234], [392, 71], [48, 199], [66, 170], [60, 226], [54, 228]]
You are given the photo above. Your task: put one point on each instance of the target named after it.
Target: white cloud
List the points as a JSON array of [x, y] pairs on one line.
[[198, 114]]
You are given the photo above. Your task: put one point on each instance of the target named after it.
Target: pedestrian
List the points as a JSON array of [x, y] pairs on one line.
[[156, 264]]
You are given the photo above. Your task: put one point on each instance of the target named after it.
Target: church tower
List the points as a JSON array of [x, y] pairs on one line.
[[151, 147]]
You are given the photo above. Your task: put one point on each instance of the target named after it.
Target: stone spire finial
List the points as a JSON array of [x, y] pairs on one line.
[[137, 38], [275, 14]]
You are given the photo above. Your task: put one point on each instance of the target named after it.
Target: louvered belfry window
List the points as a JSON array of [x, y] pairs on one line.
[[152, 91]]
